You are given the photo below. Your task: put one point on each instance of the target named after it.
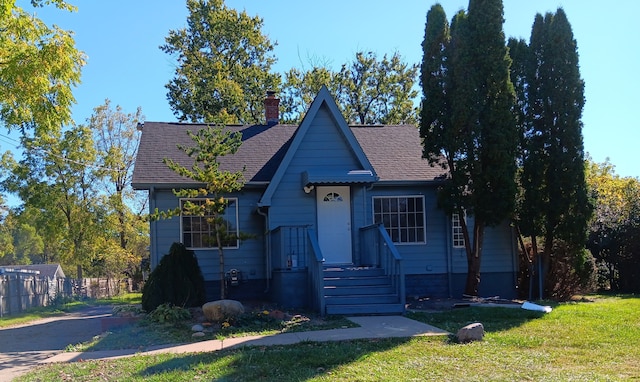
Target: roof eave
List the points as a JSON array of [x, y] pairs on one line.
[[172, 186], [428, 182]]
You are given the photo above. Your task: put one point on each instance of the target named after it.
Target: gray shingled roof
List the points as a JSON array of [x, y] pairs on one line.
[[48, 270], [394, 151]]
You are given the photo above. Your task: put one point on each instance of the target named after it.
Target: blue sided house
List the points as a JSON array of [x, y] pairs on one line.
[[344, 218]]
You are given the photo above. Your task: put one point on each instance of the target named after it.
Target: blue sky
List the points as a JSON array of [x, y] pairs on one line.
[[121, 39]]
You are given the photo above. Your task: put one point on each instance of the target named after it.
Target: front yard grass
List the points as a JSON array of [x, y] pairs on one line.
[[579, 341]]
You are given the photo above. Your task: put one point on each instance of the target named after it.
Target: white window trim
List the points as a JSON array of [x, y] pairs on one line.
[[455, 218], [237, 224], [424, 216]]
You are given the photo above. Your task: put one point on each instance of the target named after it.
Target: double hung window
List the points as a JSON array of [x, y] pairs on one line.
[[456, 231], [197, 232], [403, 217]]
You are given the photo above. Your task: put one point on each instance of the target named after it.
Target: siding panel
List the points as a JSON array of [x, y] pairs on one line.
[[323, 149], [248, 258], [427, 258], [497, 253]]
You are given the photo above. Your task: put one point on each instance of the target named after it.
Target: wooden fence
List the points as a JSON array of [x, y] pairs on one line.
[[98, 287], [19, 292]]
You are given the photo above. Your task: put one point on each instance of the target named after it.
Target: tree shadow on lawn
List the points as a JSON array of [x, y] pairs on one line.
[[294, 362], [143, 333], [140, 335], [494, 319]]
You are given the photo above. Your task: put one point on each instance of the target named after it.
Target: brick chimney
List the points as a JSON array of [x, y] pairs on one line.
[[271, 108]]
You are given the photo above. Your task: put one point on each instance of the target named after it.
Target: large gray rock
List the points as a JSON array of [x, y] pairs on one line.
[[471, 332], [222, 310]]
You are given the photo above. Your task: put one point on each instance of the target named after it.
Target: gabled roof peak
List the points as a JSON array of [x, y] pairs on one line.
[[322, 99]]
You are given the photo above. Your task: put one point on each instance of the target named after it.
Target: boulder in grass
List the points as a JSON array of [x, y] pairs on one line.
[[222, 310], [471, 332]]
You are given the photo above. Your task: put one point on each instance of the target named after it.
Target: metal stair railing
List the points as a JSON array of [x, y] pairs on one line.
[[377, 250]]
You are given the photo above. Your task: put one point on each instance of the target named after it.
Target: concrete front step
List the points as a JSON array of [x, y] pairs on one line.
[[353, 272], [360, 291], [335, 290], [363, 299], [351, 281]]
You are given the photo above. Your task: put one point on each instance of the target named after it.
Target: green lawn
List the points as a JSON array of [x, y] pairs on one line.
[[583, 341]]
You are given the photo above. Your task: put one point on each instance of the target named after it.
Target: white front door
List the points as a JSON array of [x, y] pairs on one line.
[[334, 223]]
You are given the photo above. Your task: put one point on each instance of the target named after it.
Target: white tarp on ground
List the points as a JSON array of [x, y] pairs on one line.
[[538, 308]]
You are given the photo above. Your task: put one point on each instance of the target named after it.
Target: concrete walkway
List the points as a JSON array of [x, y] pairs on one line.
[[42, 342], [370, 327]]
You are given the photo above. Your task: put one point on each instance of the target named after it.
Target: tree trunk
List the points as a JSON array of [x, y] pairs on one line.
[[537, 259], [474, 256], [121, 218], [526, 266], [123, 231], [547, 266]]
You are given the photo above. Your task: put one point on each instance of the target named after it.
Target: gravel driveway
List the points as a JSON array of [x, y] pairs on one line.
[[23, 346]]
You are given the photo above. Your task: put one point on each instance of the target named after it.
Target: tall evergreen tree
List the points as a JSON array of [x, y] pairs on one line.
[[478, 136], [434, 114], [555, 205]]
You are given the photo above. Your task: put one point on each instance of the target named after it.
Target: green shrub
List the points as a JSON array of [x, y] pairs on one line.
[[167, 313], [60, 300], [573, 271], [177, 280]]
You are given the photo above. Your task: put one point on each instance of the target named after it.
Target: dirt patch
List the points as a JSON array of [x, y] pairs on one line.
[[445, 304]]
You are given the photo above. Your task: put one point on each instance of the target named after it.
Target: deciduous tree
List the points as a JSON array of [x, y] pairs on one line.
[[367, 90], [223, 65], [7, 224], [299, 89], [614, 231], [116, 136], [56, 183], [116, 140], [39, 66], [378, 91]]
